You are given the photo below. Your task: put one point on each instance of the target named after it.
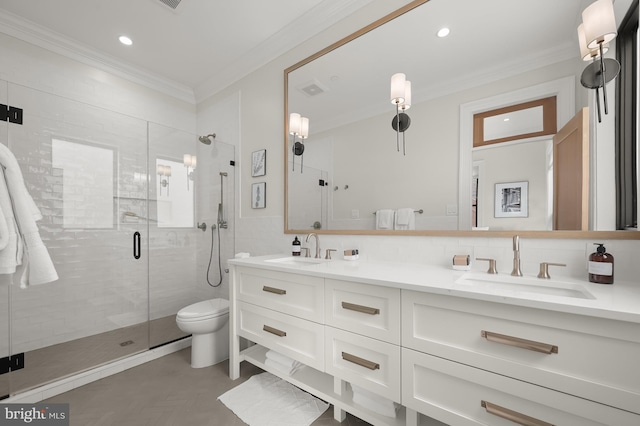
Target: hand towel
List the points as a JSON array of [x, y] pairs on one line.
[[405, 219], [374, 402], [38, 267], [384, 219]]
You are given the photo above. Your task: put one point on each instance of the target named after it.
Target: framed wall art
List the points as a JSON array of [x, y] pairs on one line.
[[259, 195], [512, 199], [259, 163]]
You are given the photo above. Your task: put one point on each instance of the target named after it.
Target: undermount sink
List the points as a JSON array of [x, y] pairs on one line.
[[508, 285], [297, 261]]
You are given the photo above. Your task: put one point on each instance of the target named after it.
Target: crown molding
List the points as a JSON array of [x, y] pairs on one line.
[[37, 35], [317, 19]]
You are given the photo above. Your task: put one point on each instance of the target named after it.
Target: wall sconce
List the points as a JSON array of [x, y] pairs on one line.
[[401, 98], [165, 173], [298, 126], [189, 162], [598, 28]]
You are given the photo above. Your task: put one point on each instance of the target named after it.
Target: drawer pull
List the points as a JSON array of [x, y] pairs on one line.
[[275, 331], [273, 290], [519, 343], [511, 415], [360, 308], [360, 361]]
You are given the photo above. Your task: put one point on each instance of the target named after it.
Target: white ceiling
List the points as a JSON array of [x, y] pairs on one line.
[[197, 49], [204, 45]]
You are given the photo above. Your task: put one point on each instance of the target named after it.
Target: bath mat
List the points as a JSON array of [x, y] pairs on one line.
[[267, 400]]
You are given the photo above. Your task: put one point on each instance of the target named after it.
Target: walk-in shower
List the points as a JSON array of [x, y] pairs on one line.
[[97, 185]]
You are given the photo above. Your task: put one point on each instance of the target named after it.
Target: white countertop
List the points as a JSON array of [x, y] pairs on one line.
[[620, 301]]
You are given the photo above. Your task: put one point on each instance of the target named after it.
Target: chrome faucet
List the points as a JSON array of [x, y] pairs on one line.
[[317, 256], [516, 272]]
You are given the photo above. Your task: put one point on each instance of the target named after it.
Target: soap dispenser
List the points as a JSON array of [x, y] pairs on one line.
[[295, 247], [601, 266]]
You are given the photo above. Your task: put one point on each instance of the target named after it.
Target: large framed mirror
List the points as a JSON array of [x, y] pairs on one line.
[[355, 172]]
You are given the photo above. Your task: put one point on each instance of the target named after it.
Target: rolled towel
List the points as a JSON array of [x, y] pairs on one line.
[[284, 369], [384, 219], [282, 359], [374, 402]]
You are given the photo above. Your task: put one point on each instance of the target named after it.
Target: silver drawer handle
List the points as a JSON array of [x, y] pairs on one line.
[[511, 415], [360, 361], [531, 345], [275, 331], [360, 308], [273, 290]]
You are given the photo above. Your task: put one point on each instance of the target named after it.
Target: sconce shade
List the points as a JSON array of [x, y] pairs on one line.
[[586, 53], [397, 88], [407, 96], [167, 170], [304, 127], [599, 23], [295, 123], [194, 161], [186, 160], [160, 170]]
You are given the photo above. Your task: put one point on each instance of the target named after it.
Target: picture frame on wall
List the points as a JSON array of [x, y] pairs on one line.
[[259, 195], [259, 163], [512, 199]]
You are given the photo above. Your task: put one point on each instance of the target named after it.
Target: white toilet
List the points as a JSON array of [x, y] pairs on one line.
[[208, 323]]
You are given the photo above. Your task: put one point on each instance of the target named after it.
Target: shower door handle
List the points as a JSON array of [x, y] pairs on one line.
[[136, 245]]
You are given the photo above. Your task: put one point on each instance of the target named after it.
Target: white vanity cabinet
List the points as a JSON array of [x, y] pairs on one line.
[[558, 368], [362, 337], [448, 359]]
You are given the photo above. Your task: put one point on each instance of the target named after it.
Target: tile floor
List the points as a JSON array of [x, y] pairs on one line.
[[166, 391], [54, 362]]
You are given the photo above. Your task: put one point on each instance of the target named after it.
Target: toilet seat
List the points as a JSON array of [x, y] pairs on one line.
[[204, 310]]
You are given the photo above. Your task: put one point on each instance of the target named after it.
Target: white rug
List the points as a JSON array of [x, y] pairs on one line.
[[267, 400]]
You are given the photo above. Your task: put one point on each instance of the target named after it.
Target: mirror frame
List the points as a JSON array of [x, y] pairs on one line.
[[602, 235]]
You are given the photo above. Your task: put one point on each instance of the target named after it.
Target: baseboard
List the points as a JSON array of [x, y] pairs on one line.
[[68, 383]]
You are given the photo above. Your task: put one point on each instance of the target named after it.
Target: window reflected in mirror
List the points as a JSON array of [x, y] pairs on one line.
[[175, 194]]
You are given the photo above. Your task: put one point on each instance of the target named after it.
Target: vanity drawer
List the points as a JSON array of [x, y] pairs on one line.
[[366, 362], [369, 310], [453, 393], [586, 355], [299, 339], [297, 295]]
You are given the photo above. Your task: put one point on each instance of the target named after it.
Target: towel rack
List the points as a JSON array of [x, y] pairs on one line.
[[415, 211]]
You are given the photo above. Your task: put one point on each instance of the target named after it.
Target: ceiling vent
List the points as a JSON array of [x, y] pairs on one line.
[[173, 4], [312, 88]]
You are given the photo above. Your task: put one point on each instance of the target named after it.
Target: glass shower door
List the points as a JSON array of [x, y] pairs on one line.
[[86, 169]]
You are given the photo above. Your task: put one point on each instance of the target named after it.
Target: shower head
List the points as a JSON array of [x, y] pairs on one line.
[[205, 139]]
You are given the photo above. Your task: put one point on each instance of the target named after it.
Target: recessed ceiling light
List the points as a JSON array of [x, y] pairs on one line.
[[443, 32], [125, 40]]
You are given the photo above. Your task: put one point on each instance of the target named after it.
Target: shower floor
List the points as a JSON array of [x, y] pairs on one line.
[[55, 362]]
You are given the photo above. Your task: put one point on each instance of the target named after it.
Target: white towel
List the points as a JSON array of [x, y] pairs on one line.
[[282, 359], [374, 402], [284, 369], [28, 246], [384, 219], [405, 219]]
